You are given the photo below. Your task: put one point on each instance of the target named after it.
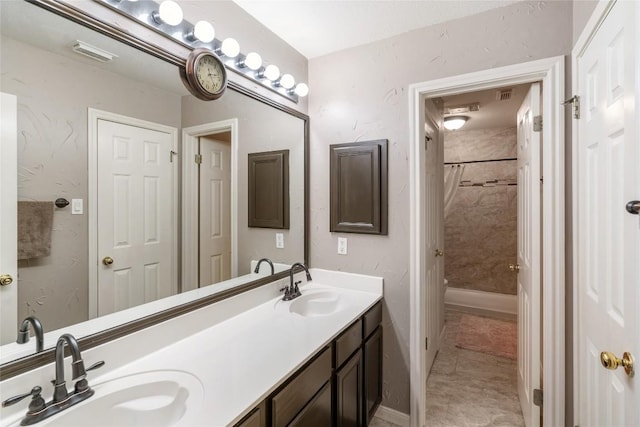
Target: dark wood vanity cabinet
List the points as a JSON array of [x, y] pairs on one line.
[[341, 386], [372, 362]]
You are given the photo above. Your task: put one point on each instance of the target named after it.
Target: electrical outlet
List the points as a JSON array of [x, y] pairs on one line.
[[342, 245], [279, 240]]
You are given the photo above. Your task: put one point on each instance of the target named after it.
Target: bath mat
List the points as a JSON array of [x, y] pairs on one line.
[[495, 337]]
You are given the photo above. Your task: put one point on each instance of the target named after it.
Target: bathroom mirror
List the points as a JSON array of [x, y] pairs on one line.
[[64, 97]]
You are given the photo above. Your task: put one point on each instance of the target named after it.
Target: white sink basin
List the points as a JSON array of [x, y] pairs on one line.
[[155, 398], [317, 303]]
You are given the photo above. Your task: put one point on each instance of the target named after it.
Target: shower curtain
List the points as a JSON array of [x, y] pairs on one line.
[[452, 178]]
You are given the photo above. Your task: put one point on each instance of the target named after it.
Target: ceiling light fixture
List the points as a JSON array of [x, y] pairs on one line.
[[455, 122], [169, 13]]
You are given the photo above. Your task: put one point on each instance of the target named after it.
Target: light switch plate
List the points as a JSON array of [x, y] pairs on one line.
[[342, 245], [76, 207], [279, 240]]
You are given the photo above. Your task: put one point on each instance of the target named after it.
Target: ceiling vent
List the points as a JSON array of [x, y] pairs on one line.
[[462, 108], [93, 52], [504, 95]]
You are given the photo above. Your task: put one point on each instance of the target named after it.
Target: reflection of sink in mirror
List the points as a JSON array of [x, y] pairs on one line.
[[317, 303], [156, 398]]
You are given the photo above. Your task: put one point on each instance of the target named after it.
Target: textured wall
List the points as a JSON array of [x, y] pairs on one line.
[[582, 10], [260, 128], [52, 163], [480, 233], [361, 94]]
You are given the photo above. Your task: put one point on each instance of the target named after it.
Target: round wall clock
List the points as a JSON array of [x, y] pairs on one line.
[[204, 75]]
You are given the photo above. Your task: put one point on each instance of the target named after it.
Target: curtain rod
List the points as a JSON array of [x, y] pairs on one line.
[[481, 161]]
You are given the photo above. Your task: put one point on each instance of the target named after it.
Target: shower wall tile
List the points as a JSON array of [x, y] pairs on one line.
[[481, 224]]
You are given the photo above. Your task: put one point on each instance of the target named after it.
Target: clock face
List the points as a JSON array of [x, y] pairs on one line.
[[210, 74]]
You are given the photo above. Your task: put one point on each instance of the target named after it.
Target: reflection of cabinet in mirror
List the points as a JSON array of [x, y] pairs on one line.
[[269, 189]]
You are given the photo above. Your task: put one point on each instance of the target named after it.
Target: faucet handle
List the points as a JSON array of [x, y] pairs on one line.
[[37, 402], [96, 365]]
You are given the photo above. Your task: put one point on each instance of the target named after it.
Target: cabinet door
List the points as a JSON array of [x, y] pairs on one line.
[[372, 374], [257, 418], [317, 412], [349, 393]]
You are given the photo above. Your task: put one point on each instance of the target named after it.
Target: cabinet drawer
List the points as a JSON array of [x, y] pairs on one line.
[[256, 418], [286, 404], [348, 342], [372, 319]]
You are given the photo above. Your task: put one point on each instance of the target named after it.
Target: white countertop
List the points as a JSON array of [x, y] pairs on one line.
[[239, 359]]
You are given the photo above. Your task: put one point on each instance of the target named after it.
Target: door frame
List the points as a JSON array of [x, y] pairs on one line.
[[190, 181], [550, 71], [92, 199]]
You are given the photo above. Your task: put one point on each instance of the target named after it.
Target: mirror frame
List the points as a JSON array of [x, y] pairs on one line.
[[123, 35]]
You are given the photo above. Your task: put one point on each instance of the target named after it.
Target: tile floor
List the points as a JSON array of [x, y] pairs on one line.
[[467, 388]]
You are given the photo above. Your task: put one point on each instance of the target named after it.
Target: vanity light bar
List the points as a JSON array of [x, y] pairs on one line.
[[148, 13]]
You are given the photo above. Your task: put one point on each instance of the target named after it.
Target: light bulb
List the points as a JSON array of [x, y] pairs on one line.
[[272, 72], [204, 31], [230, 47], [253, 61], [301, 90], [170, 12], [287, 81]]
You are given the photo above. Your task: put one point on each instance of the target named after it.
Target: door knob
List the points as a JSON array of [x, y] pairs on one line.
[[107, 260], [610, 361], [439, 252], [514, 267], [6, 279], [633, 207]]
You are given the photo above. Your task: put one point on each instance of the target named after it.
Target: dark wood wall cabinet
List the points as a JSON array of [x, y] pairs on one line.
[[341, 386], [359, 187], [269, 189]]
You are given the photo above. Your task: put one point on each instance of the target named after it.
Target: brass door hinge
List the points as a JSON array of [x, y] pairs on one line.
[[198, 159]]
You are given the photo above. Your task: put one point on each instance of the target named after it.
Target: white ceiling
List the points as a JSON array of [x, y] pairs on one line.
[[319, 27], [493, 113]]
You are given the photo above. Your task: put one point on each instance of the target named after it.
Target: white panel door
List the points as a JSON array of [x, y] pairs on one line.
[[215, 211], [529, 256], [608, 237], [8, 216], [434, 230], [135, 223]]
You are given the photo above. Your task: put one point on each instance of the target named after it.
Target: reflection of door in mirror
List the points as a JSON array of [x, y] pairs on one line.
[[8, 218], [215, 208], [136, 227]]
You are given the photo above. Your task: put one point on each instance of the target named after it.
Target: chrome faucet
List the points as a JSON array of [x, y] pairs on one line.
[[292, 291], [267, 260], [23, 332], [62, 399]]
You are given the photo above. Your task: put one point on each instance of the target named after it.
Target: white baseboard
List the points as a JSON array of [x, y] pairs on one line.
[[490, 301], [392, 416]]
